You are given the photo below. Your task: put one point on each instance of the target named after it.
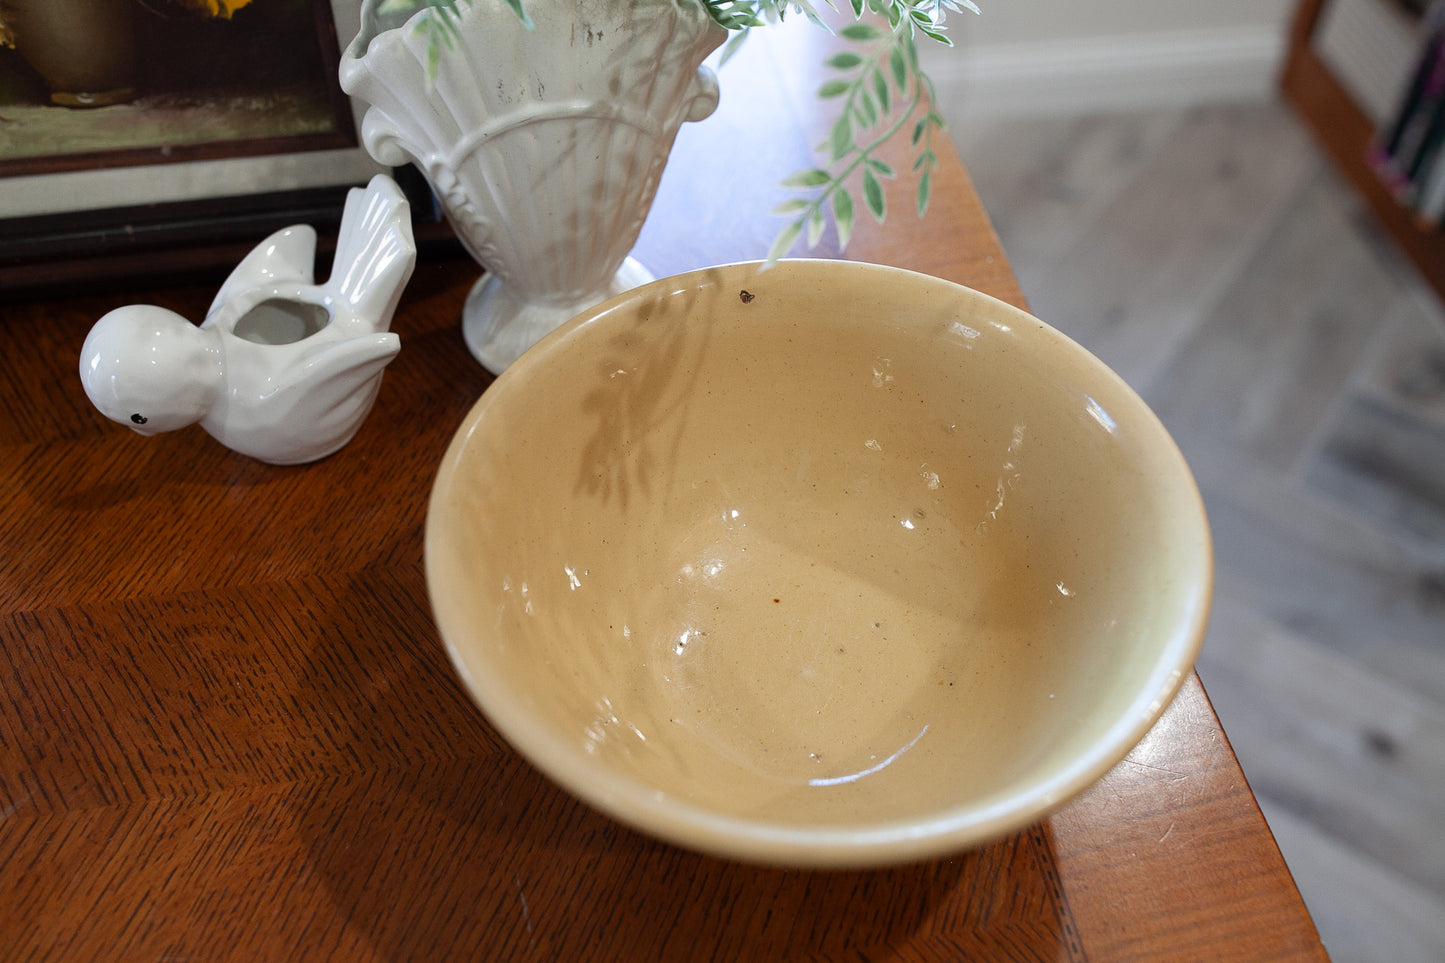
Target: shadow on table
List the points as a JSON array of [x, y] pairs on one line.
[[454, 847]]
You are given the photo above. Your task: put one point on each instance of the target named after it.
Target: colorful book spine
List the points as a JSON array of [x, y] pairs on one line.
[[1409, 151]]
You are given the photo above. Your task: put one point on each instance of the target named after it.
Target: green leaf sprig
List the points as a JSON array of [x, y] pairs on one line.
[[880, 87]]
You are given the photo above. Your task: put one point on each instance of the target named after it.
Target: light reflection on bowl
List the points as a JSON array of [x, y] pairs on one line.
[[829, 564]]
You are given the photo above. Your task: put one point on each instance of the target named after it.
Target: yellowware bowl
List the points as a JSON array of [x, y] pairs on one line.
[[831, 564]]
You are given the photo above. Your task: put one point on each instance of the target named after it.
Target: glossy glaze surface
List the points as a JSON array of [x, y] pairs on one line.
[[543, 146], [282, 369], [828, 564]]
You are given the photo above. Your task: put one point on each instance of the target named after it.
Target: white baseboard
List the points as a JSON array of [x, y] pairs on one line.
[[1107, 73]]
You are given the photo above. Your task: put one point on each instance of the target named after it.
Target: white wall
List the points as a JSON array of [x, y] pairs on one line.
[[1032, 56]]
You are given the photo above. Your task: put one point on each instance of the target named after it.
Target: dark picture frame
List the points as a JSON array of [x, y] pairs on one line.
[[178, 204], [108, 83]]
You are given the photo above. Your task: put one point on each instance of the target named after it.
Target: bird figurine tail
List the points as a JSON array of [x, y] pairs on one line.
[[375, 252]]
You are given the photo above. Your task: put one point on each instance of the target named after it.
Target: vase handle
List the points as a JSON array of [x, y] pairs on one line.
[[702, 95], [383, 140]]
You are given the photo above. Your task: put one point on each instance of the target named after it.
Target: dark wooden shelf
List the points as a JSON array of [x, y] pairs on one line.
[[1345, 132]]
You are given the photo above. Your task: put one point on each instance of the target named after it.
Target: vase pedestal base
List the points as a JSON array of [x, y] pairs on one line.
[[498, 325]]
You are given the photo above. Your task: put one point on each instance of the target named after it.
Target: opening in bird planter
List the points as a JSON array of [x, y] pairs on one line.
[[275, 321]]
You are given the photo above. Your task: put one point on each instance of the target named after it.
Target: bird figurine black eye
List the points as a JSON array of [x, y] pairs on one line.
[[138, 419]]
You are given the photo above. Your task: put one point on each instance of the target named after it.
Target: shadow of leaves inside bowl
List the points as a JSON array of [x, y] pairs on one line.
[[642, 405]]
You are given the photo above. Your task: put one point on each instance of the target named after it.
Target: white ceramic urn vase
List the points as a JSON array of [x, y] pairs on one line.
[[544, 146]]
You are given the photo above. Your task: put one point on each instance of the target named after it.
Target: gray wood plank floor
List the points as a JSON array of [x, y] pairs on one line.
[[1214, 259]]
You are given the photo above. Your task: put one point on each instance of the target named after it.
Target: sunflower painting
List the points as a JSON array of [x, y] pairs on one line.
[[103, 83]]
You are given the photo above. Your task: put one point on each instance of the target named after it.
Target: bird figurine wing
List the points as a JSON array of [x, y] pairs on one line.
[[336, 371], [375, 253], [287, 256]]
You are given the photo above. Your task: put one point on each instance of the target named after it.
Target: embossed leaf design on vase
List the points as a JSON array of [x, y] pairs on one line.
[[544, 146]]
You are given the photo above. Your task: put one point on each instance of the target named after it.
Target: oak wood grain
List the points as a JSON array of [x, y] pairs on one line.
[[228, 729]]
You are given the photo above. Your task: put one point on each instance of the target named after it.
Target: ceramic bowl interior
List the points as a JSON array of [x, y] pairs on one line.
[[829, 564]]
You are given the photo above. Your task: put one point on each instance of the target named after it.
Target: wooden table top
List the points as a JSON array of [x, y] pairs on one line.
[[228, 729]]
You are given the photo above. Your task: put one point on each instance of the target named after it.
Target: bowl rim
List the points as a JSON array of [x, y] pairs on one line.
[[678, 821]]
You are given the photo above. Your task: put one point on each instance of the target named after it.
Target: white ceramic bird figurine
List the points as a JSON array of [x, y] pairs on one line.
[[282, 369]]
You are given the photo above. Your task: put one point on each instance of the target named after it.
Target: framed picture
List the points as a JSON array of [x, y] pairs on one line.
[[140, 137]]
